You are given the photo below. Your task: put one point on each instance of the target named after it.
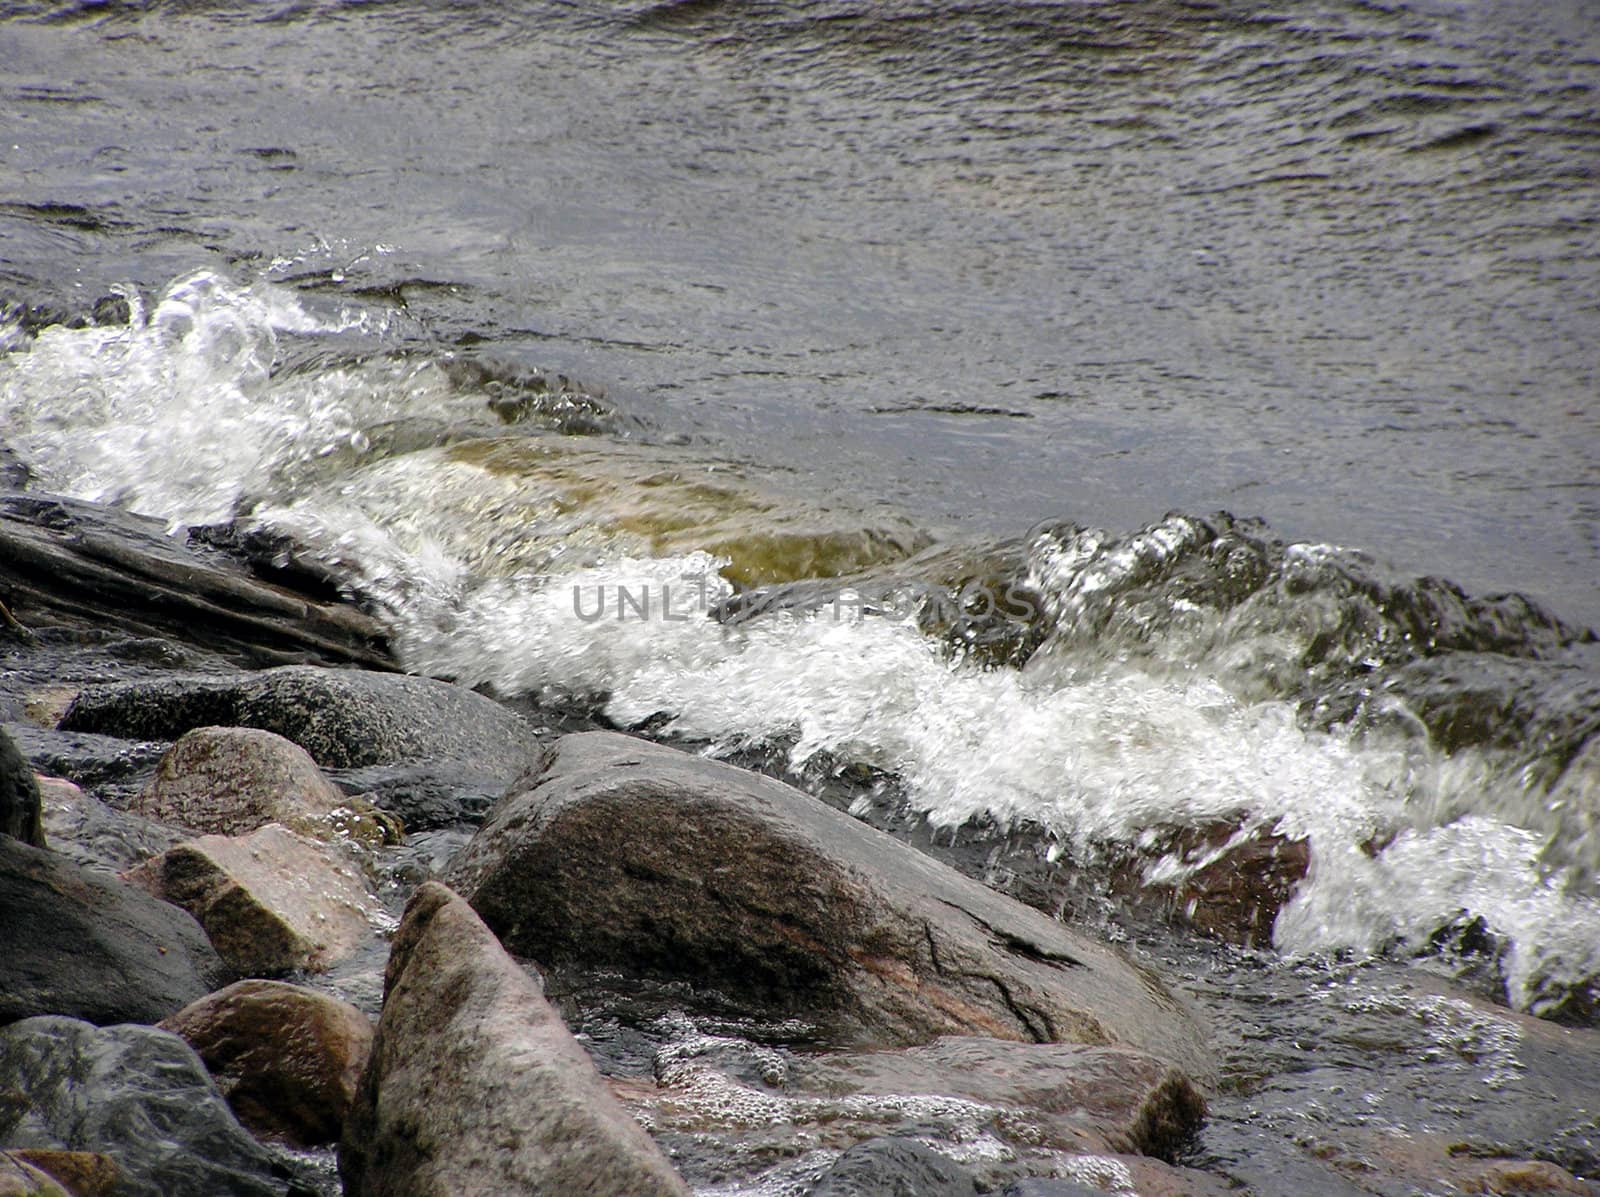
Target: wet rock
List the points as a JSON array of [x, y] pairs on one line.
[[894, 1168], [1092, 1175], [344, 718], [475, 1084], [87, 831], [634, 857], [1030, 1103], [286, 1058], [271, 902], [18, 1178], [104, 763], [71, 564], [428, 796], [1225, 880], [19, 796], [81, 1173], [81, 943], [231, 780], [136, 1094]]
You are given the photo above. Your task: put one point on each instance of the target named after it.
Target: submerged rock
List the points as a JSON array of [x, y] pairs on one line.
[[287, 1058], [630, 856], [95, 834], [894, 1168], [81, 943], [80, 1173], [20, 816], [271, 902], [136, 1094], [475, 1084], [230, 780], [1029, 1103], [344, 718], [19, 1178]]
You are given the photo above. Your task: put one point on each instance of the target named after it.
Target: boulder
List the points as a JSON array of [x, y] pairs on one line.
[[475, 1084], [136, 1094], [271, 902], [633, 857], [86, 944], [18, 1178], [81, 566], [1030, 1102], [1093, 1175], [894, 1168], [92, 833], [344, 718], [230, 780], [80, 1173], [19, 797], [287, 1058]]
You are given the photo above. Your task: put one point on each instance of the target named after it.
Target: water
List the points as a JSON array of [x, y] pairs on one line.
[[887, 334]]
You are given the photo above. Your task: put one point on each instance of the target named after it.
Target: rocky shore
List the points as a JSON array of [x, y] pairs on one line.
[[278, 919]]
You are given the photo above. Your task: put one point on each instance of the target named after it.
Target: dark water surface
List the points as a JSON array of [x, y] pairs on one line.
[[1330, 264], [867, 290]]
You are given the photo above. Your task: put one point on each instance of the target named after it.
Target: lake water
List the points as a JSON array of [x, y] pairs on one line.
[[545, 324]]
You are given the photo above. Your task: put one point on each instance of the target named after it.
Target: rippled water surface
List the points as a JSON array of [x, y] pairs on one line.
[[886, 334]]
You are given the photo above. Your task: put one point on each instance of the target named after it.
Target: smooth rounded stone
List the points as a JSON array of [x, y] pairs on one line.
[[232, 780], [136, 1094], [1053, 1092], [1094, 1175], [727, 1098], [18, 1178], [476, 1086], [93, 834], [81, 1173], [894, 1168], [287, 1058], [271, 902], [345, 718], [78, 942], [429, 796], [631, 857], [20, 816]]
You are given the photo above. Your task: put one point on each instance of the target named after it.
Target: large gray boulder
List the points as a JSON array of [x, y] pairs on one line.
[[475, 1085], [136, 1094], [19, 796], [345, 718], [633, 857], [78, 942]]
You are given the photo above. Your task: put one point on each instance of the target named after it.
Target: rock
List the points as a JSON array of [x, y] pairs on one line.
[[271, 901], [230, 780], [18, 1178], [19, 797], [344, 718], [1092, 1175], [136, 1094], [894, 1168], [286, 1058], [81, 1173], [75, 565], [1127, 1101], [475, 1084], [427, 796], [85, 944], [1029, 1102], [1518, 1177], [632, 857], [1225, 880], [86, 830]]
